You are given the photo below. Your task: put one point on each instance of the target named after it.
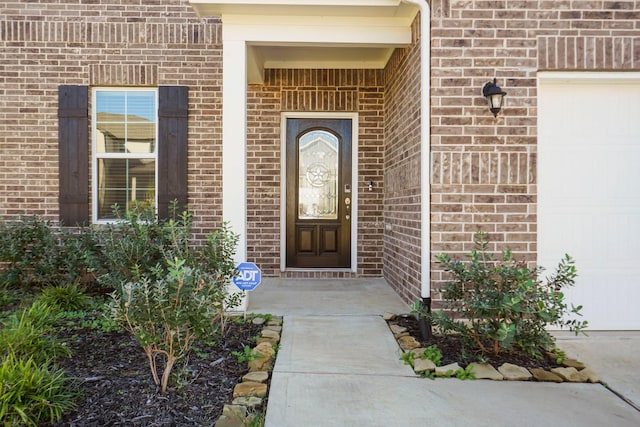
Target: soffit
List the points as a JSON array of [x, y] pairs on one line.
[[313, 33]]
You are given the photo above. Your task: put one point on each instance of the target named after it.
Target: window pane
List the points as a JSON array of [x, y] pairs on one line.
[[125, 122], [110, 137], [128, 182], [141, 138], [111, 102], [318, 175], [141, 106]]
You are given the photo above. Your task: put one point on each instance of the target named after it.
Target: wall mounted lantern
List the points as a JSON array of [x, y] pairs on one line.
[[494, 95]]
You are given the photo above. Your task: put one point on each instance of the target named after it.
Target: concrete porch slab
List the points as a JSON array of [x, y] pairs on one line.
[[349, 297]]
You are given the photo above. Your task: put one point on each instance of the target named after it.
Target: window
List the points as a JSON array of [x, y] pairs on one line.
[[124, 155], [133, 143]]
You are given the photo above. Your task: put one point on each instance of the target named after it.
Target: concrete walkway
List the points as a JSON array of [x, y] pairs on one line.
[[338, 365], [614, 355]]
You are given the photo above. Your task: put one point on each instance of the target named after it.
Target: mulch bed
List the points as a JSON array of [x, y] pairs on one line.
[[451, 346], [112, 374]]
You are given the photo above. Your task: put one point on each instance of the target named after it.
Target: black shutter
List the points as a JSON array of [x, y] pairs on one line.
[[172, 147], [73, 154]]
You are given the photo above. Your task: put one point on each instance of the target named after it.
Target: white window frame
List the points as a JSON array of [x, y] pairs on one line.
[[94, 145]]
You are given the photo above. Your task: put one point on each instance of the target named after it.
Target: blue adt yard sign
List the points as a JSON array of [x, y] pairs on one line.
[[249, 276]]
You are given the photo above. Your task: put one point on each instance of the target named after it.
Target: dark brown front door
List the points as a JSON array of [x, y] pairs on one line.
[[319, 210]]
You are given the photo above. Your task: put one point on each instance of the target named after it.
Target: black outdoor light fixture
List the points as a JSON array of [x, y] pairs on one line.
[[494, 95]]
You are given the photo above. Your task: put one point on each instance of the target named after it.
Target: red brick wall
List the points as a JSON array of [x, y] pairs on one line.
[[123, 43], [483, 169], [402, 237], [318, 91], [128, 43]]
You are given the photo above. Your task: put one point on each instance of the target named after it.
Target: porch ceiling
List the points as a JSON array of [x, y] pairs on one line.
[[313, 33]]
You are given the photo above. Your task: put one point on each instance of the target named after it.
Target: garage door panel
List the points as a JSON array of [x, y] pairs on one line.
[[589, 237], [593, 173], [599, 308], [589, 190]]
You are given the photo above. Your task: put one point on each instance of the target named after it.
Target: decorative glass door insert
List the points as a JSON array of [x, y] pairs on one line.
[[318, 175]]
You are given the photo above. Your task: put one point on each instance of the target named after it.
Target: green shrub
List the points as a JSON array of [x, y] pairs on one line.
[[216, 257], [504, 306], [96, 316], [29, 334], [167, 314], [132, 246], [8, 297], [65, 297], [32, 393], [168, 292], [26, 246], [80, 256], [31, 390], [408, 358], [37, 253]]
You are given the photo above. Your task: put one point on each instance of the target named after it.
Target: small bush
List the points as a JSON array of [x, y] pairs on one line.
[[28, 334], [26, 246], [168, 314], [133, 246], [32, 393], [504, 306], [65, 297], [80, 256], [176, 296], [8, 297], [37, 253]]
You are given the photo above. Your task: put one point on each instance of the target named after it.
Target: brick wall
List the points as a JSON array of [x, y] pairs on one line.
[[150, 43], [123, 43], [402, 238], [484, 169], [318, 91]]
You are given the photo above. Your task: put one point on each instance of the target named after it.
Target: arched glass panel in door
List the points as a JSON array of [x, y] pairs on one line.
[[318, 175]]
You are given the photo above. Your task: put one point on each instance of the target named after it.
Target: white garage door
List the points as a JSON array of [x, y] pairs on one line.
[[589, 190]]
